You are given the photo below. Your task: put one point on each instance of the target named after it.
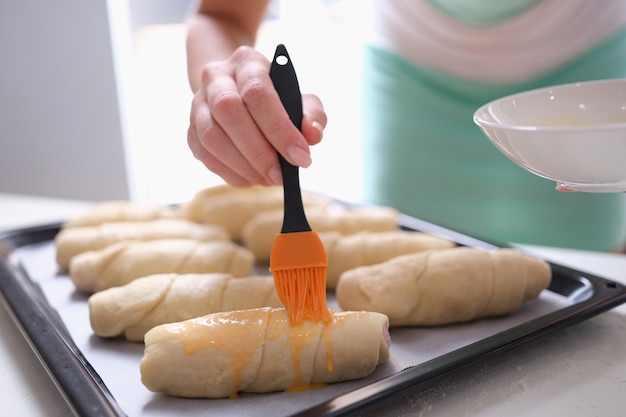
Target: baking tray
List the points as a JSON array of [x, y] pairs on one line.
[[100, 377]]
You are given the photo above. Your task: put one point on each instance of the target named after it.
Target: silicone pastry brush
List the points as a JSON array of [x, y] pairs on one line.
[[298, 259]]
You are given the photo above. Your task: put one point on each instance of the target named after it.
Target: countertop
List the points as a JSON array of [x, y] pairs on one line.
[[578, 371]]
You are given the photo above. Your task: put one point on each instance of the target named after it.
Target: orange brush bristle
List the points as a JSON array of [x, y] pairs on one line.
[[298, 260]]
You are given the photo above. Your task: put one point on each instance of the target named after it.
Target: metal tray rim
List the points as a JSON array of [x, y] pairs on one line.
[[86, 393]]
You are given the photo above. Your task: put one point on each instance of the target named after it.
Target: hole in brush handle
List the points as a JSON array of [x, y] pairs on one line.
[[294, 219], [285, 81]]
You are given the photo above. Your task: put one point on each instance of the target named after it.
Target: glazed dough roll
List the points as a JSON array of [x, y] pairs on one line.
[[259, 351], [122, 262], [146, 302], [444, 286], [232, 207], [118, 211], [74, 240], [260, 232], [346, 252]]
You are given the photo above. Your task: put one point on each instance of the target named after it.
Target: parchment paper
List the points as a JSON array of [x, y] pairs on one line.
[[117, 361]]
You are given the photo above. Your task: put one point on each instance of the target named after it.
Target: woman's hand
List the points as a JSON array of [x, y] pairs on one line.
[[238, 123], [562, 188]]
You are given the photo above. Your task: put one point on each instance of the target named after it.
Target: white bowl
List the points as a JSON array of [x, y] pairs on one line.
[[573, 134]]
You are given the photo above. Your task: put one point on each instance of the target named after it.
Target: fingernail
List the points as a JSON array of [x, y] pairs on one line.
[[299, 156], [276, 176], [319, 128]]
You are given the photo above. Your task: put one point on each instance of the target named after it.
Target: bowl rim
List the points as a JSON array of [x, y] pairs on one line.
[[484, 109]]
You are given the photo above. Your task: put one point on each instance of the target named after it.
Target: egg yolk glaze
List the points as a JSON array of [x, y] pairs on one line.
[[258, 350]]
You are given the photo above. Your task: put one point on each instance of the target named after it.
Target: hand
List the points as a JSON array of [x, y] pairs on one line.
[[238, 123], [562, 188]]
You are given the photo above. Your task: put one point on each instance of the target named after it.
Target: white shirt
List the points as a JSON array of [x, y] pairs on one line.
[[542, 37]]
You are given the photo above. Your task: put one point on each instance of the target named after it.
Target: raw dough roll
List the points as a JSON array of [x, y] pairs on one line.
[[346, 252], [259, 351], [232, 207], [119, 211], [123, 262], [260, 232], [444, 286], [74, 240], [144, 303]]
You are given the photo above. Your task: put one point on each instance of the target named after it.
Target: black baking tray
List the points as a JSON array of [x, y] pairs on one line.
[[87, 394]]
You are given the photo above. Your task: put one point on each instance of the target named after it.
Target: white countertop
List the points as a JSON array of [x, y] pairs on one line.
[[578, 371]]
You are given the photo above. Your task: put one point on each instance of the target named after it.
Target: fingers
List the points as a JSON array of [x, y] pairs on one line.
[[238, 124], [313, 120], [206, 153], [223, 135], [237, 138], [562, 188], [264, 105]]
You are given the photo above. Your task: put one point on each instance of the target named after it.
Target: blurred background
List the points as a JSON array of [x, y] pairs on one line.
[[94, 100]]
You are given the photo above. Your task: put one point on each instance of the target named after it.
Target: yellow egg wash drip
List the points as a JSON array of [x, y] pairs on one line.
[[302, 335], [232, 328], [328, 339], [306, 387]]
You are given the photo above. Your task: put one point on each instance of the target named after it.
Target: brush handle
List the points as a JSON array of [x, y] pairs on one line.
[[285, 81], [294, 219]]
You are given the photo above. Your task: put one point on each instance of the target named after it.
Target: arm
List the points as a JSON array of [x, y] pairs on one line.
[[237, 121], [217, 29]]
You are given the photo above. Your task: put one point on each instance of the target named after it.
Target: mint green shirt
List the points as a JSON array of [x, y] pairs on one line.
[[423, 155]]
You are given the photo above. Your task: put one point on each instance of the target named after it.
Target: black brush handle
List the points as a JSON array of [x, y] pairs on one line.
[[285, 81]]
